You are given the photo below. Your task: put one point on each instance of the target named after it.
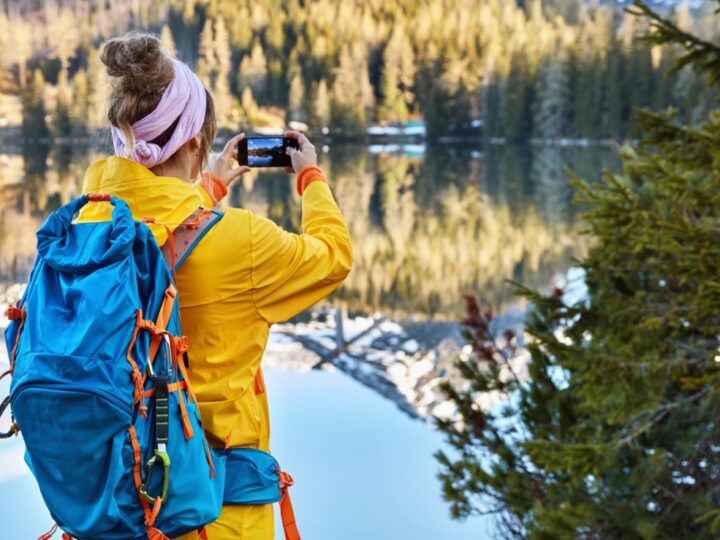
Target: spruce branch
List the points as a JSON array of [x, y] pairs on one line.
[[661, 413], [702, 55]]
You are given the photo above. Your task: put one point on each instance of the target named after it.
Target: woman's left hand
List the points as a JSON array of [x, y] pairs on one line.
[[222, 165]]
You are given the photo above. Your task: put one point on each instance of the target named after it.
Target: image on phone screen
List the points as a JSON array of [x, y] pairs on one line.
[[265, 151]]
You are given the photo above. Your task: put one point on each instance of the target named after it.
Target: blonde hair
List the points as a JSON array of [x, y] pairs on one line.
[[140, 71]]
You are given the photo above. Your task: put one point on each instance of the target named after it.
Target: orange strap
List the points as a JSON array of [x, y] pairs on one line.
[[137, 477], [162, 320], [14, 313], [202, 533], [195, 221], [156, 534], [150, 513], [170, 239], [259, 382], [172, 387], [176, 387], [187, 427], [286, 509], [179, 346], [49, 534], [137, 377]]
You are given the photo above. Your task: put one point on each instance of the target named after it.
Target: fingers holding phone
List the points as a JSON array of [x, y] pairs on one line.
[[222, 164], [304, 155], [292, 152]]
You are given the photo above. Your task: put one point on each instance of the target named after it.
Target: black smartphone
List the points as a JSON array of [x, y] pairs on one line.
[[265, 151]]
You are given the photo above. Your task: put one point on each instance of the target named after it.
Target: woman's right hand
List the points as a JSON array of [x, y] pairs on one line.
[[302, 156], [222, 165]]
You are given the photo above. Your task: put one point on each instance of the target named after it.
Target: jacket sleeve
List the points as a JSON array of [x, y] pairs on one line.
[[291, 272]]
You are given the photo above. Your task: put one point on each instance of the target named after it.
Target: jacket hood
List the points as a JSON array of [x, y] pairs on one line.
[[166, 199]]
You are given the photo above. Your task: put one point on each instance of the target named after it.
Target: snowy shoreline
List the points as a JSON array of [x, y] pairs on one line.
[[404, 360]]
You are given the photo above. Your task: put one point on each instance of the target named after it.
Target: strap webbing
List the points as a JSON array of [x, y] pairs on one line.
[[286, 509], [186, 237]]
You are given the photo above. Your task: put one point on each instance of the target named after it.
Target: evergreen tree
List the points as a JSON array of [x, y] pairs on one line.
[[613, 98], [296, 98], [167, 40], [64, 37], [609, 428], [35, 135], [61, 123], [34, 127], [321, 106], [206, 54], [242, 34], [552, 99], [221, 88], [351, 92], [253, 71], [21, 46], [446, 107], [517, 104], [97, 90], [247, 101], [80, 104], [396, 82]]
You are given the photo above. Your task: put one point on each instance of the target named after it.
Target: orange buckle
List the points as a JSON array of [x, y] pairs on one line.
[[149, 326], [181, 343], [14, 313], [286, 480]]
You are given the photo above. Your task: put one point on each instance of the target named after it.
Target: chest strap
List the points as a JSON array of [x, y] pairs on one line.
[[187, 236]]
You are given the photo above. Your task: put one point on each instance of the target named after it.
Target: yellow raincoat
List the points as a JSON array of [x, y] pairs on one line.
[[245, 274]]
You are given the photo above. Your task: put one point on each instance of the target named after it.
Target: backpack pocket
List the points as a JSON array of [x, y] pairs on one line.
[[196, 477], [78, 448], [251, 477]]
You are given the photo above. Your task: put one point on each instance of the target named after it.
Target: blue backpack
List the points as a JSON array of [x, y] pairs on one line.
[[99, 387]]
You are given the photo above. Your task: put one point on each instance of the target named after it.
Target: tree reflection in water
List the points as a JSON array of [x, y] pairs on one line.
[[427, 224]]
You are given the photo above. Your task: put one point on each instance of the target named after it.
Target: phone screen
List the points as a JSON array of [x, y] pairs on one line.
[[265, 151]]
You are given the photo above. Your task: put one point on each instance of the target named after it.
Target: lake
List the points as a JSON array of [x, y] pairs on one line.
[[429, 223]]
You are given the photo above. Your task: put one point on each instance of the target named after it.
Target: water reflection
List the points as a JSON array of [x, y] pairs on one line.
[[428, 223]]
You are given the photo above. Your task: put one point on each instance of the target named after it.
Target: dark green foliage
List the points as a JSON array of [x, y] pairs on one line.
[[34, 126], [61, 122], [613, 431], [488, 63]]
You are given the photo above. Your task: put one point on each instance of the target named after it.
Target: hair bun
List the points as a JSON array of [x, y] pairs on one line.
[[138, 61]]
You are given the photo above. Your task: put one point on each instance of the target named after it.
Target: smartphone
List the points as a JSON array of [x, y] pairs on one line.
[[265, 151]]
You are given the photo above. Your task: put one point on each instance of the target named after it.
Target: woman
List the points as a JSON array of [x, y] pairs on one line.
[[245, 274]]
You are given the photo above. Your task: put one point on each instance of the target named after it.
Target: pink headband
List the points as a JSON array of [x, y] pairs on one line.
[[184, 97]]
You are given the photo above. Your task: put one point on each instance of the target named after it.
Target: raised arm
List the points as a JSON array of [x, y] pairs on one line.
[[291, 272]]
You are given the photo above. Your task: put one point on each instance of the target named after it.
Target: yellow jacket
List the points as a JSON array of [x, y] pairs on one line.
[[245, 274]]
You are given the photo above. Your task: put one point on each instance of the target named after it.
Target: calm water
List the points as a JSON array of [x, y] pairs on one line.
[[428, 224]]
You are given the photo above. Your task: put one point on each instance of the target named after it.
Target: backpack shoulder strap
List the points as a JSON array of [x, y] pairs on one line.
[[188, 234]]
